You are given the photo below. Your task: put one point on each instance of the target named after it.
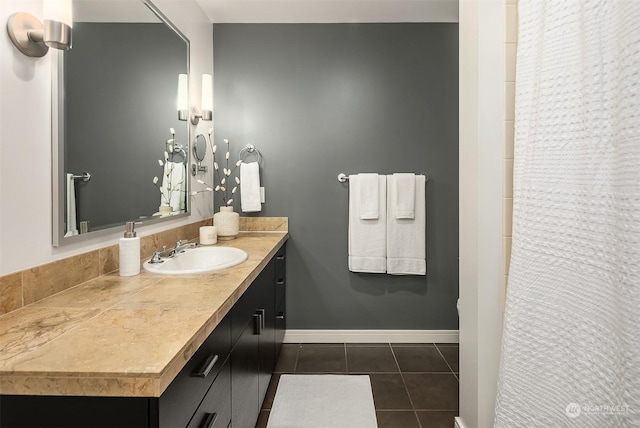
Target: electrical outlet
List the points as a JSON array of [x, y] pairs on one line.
[[262, 195]]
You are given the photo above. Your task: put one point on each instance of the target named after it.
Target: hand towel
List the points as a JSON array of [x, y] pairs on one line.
[[250, 187], [368, 195], [406, 238], [72, 221], [367, 238], [405, 195], [173, 186]]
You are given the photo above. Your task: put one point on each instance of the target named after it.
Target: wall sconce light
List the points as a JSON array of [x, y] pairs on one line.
[[207, 100], [34, 38]]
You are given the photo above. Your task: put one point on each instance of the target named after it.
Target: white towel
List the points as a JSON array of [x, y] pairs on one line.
[[406, 238], [173, 186], [367, 238], [368, 195], [405, 195], [72, 221], [250, 187]]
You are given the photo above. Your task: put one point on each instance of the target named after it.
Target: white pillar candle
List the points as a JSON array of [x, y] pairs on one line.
[[208, 235]]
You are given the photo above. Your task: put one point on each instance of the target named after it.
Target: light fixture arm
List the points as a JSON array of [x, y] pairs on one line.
[[27, 34], [197, 114], [33, 38]]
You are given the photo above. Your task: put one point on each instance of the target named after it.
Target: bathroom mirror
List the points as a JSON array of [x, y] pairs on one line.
[[115, 118]]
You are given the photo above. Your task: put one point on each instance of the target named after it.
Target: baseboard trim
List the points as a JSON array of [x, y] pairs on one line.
[[371, 336], [458, 422]]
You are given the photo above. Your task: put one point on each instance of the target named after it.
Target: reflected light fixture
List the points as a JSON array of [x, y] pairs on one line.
[[34, 38], [183, 97]]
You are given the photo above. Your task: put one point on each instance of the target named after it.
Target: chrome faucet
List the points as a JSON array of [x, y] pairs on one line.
[[181, 246]]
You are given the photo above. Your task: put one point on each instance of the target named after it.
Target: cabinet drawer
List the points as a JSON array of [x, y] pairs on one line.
[[251, 301], [281, 258], [182, 397], [215, 409], [280, 286], [281, 325]]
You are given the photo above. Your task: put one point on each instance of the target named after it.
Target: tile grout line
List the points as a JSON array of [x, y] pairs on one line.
[[446, 362], [295, 364], [413, 407]]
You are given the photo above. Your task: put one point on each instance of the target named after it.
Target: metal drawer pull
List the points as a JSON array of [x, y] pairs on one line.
[[280, 316], [209, 420], [257, 324], [280, 257], [263, 316], [280, 281], [208, 365]]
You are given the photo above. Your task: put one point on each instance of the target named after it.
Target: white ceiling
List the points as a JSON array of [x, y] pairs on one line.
[[329, 11]]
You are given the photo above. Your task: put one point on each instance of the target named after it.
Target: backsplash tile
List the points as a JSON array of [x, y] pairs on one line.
[[43, 281], [109, 259], [273, 224], [22, 288], [10, 292]]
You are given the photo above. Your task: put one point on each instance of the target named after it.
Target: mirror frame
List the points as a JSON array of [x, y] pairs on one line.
[[57, 145]]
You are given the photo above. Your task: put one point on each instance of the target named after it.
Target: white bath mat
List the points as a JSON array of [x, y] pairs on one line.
[[323, 401]]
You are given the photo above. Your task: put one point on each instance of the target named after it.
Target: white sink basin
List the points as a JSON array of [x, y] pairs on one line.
[[198, 260]]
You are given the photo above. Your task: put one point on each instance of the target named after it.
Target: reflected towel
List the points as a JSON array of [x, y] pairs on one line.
[[368, 196], [405, 195], [367, 238], [173, 186], [72, 215], [250, 187], [406, 238]]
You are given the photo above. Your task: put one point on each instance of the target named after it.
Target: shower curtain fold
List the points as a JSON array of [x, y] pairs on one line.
[[571, 339]]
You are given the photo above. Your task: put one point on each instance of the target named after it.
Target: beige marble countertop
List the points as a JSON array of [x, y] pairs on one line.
[[123, 336]]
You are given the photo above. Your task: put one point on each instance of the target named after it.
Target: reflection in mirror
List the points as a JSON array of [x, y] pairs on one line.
[[117, 120]]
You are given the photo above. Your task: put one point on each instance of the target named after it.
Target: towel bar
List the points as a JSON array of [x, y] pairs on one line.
[[343, 178], [85, 176]]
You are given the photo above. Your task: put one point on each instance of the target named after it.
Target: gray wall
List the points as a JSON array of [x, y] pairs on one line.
[[322, 99], [121, 82]]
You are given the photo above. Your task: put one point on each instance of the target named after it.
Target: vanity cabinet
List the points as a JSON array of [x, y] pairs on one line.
[[280, 299], [199, 396], [179, 401], [223, 384], [254, 355]]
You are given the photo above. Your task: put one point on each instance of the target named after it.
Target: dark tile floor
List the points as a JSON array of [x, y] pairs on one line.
[[414, 385]]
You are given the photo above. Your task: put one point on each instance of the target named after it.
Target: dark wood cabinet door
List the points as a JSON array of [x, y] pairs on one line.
[[245, 405], [215, 410]]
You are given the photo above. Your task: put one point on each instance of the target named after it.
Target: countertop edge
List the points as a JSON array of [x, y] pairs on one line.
[[146, 385]]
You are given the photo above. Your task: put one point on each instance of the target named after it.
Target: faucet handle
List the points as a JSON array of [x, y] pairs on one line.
[[180, 242], [156, 259]]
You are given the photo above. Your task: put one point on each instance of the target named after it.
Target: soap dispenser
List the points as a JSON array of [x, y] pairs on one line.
[[129, 251]]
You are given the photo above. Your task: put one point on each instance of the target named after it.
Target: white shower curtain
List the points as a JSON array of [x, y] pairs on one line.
[[571, 341]]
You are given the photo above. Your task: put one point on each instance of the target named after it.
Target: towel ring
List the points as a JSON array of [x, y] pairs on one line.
[[248, 150]]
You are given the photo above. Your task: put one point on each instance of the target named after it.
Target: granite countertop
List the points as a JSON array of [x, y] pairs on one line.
[[123, 336]]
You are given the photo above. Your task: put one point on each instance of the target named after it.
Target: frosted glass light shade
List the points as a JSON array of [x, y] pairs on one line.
[[207, 92], [183, 95], [58, 10]]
